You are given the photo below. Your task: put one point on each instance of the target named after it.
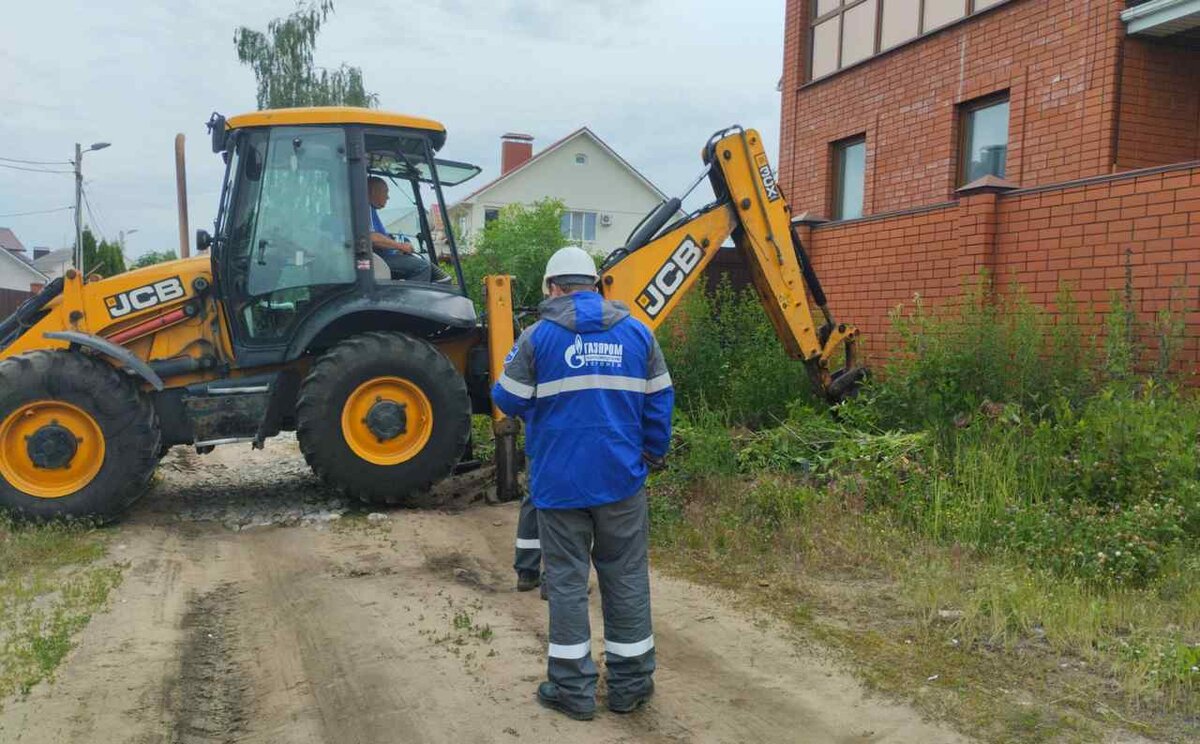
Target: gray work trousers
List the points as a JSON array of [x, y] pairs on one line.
[[615, 536], [407, 266], [529, 548]]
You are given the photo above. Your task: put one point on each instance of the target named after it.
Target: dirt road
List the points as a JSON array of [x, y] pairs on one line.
[[233, 627]]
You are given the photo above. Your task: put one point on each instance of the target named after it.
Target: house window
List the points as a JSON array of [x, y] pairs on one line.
[[579, 226], [580, 158], [490, 215], [849, 178], [984, 146], [845, 32]]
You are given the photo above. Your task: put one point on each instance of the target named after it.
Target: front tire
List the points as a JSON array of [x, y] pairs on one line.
[[77, 438], [383, 416]]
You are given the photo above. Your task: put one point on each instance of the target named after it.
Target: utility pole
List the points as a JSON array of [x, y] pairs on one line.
[[78, 198], [79, 151]]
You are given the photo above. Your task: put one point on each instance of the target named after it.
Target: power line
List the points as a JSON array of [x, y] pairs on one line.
[[38, 162], [37, 211], [95, 221], [33, 170]]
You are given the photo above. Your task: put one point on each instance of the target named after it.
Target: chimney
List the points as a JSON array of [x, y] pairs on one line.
[[515, 150], [39, 252]]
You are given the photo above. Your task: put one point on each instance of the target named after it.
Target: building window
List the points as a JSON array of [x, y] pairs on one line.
[[579, 226], [845, 32], [984, 147], [849, 178], [490, 215], [580, 158]]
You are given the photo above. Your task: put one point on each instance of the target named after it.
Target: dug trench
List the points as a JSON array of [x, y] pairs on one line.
[[258, 606]]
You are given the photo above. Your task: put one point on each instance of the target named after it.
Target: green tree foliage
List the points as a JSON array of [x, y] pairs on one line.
[[103, 258], [518, 243], [154, 257], [282, 61]]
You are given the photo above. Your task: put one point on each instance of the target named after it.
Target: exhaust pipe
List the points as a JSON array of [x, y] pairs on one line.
[[181, 195]]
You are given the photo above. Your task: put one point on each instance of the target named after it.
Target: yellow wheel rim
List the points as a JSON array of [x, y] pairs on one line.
[[370, 425], [37, 455]]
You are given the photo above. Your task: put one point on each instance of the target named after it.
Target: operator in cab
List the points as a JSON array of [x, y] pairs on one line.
[[401, 257]]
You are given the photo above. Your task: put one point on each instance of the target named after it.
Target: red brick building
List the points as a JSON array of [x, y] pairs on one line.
[[1047, 141]]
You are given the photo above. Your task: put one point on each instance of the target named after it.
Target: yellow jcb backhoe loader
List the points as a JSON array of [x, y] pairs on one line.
[[288, 320]]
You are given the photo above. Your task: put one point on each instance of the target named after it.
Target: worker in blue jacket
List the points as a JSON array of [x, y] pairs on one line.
[[593, 389]]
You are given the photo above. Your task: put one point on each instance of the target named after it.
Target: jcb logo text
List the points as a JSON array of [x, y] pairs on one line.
[[142, 298], [658, 293], [768, 177]]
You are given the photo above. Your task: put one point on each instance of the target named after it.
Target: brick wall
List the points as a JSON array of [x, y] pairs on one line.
[[1074, 234], [1057, 59], [1159, 119]]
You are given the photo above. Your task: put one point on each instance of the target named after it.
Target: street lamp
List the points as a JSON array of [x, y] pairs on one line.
[[79, 151], [121, 241]]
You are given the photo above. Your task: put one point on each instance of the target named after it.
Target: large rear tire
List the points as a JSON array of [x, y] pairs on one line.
[[77, 438], [383, 416]]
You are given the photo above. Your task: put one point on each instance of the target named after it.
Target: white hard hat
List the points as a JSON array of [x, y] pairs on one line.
[[571, 261]]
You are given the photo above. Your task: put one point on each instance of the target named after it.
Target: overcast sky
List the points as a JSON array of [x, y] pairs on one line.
[[653, 78]]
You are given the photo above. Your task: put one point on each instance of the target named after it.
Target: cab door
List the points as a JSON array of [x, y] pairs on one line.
[[289, 237]]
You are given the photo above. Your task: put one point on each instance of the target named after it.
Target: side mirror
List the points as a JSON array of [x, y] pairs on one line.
[[204, 241], [216, 128]]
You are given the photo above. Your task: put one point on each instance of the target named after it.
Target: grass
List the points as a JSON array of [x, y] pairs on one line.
[[49, 588], [1004, 651]]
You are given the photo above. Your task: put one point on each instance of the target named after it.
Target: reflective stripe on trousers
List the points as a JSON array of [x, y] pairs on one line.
[[528, 554]]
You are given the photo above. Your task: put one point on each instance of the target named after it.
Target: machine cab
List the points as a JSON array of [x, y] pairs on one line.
[[293, 236]]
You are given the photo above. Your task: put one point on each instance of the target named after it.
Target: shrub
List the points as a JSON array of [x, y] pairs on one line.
[[953, 359], [997, 427], [1125, 449], [1106, 494], [704, 445], [723, 354]]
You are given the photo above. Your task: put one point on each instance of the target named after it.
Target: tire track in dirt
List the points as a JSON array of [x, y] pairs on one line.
[[207, 701]]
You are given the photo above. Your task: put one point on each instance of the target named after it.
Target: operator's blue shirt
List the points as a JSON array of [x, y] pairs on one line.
[[593, 389], [376, 223]]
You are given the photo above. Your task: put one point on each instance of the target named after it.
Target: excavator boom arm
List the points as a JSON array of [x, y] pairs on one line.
[[653, 278]]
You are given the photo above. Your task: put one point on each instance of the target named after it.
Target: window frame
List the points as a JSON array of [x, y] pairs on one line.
[[844, 6], [965, 109], [837, 150], [582, 214]]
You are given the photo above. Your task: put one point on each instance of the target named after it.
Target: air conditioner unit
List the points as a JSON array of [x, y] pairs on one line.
[[606, 220]]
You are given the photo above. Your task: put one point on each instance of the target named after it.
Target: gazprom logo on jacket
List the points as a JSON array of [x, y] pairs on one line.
[[595, 353]]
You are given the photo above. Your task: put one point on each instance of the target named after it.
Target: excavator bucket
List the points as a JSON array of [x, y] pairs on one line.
[[845, 383]]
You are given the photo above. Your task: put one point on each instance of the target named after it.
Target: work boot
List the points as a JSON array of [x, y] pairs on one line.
[[528, 581], [550, 696], [629, 703], [438, 275]]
